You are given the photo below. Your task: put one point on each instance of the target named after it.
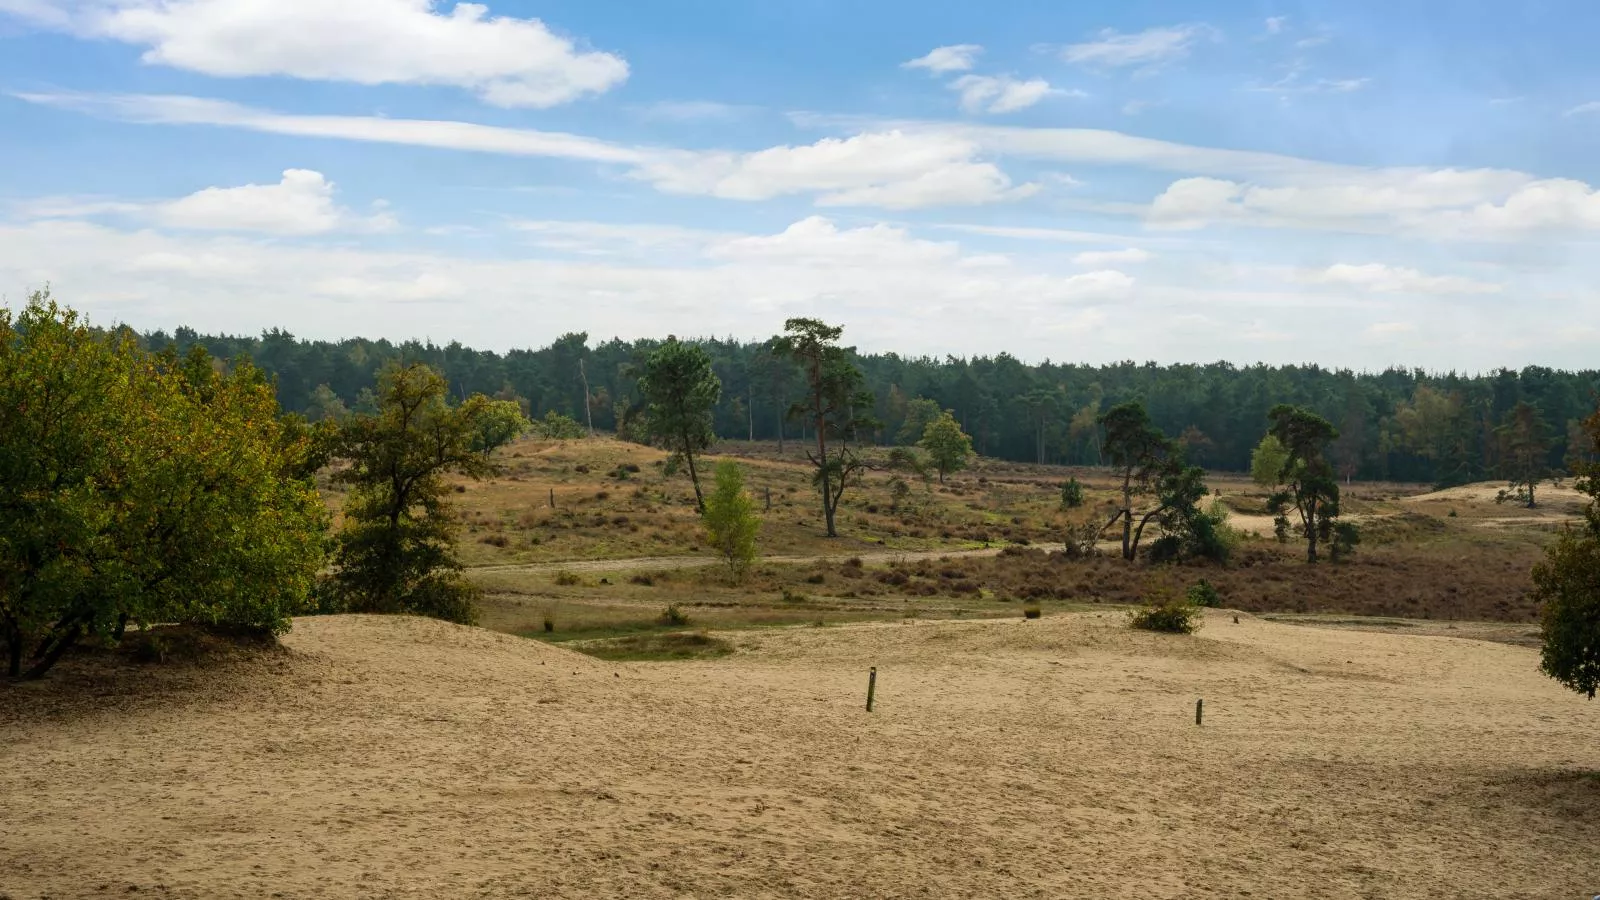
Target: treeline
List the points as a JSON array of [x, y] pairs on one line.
[[1398, 424]]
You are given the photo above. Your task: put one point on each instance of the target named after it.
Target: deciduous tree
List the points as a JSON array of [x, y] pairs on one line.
[[396, 550], [730, 519], [1567, 586], [947, 445]]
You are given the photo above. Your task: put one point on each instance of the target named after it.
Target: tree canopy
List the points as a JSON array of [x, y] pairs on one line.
[[947, 445], [1567, 585], [835, 404], [396, 550], [140, 489], [680, 391]]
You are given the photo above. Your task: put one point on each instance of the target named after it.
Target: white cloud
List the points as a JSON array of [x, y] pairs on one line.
[[504, 60], [1275, 24], [1389, 330], [1382, 279], [1035, 234], [817, 241], [1103, 258], [891, 169], [1583, 108], [1002, 93], [299, 204], [1150, 48], [158, 109], [693, 110], [1444, 203], [940, 60], [616, 238]]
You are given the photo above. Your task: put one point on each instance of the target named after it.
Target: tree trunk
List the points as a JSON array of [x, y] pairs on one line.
[[588, 407], [750, 407], [49, 659], [694, 478], [1127, 517], [14, 654], [1311, 532]]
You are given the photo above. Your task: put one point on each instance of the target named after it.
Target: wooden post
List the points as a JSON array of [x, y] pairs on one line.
[[872, 686], [552, 498], [1199, 711], [769, 498]]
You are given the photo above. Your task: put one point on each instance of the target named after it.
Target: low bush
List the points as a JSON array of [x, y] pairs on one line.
[[1203, 594], [568, 579], [1032, 611], [673, 616], [1167, 616]]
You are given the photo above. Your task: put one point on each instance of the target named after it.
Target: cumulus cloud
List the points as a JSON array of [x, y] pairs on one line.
[[1378, 278], [301, 203], [1103, 258], [1150, 48], [505, 60], [1002, 93], [940, 60]]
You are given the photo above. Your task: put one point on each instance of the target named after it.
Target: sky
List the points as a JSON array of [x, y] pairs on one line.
[[1357, 184]]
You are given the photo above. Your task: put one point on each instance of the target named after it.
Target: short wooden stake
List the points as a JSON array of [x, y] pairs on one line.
[[872, 686], [552, 498], [1199, 711]]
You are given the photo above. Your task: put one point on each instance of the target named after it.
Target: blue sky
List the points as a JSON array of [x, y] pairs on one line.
[[1354, 183]]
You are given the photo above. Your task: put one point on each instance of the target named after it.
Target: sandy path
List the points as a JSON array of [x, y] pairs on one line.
[[657, 563], [405, 758]]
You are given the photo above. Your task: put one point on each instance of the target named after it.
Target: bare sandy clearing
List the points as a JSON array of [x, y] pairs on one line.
[[405, 758]]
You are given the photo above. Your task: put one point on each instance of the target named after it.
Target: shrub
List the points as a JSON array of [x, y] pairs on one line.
[[730, 520], [1071, 494], [1203, 594], [568, 579], [1032, 611], [817, 578], [1167, 616], [643, 580], [673, 616]]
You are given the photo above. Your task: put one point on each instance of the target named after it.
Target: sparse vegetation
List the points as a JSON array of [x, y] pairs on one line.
[[1166, 615], [730, 520]]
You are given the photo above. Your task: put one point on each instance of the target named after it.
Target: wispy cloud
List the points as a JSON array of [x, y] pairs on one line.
[[1151, 48], [941, 60], [1003, 94], [1584, 109]]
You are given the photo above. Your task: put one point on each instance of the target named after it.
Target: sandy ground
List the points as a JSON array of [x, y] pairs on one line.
[[1059, 758]]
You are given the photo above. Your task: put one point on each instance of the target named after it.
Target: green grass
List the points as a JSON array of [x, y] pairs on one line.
[[669, 646]]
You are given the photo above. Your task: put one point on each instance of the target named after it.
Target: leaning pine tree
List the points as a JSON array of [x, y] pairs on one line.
[[396, 551], [730, 520]]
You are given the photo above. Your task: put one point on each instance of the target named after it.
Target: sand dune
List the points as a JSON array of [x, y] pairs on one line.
[[407, 758]]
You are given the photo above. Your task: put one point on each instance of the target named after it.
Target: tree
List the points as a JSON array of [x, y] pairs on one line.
[[396, 550], [947, 445], [1143, 456], [681, 393], [730, 519], [1266, 461], [1567, 586], [1309, 484], [920, 413], [325, 406], [142, 489], [835, 404], [501, 423], [1525, 449]]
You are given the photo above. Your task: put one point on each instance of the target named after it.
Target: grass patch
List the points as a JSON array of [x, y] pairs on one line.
[[658, 647]]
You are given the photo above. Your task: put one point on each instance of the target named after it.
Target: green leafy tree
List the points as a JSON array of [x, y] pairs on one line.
[[1266, 461], [919, 414], [1567, 586], [947, 445], [500, 423], [140, 489], [396, 550], [1071, 494], [325, 406], [1307, 481], [730, 519], [681, 393], [557, 427], [836, 404]]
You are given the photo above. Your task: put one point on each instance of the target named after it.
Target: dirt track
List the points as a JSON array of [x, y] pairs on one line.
[[408, 758], [657, 563]]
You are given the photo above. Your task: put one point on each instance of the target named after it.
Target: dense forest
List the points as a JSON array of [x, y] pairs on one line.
[[1403, 425]]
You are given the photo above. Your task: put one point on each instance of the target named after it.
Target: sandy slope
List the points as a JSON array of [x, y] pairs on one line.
[[404, 758]]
